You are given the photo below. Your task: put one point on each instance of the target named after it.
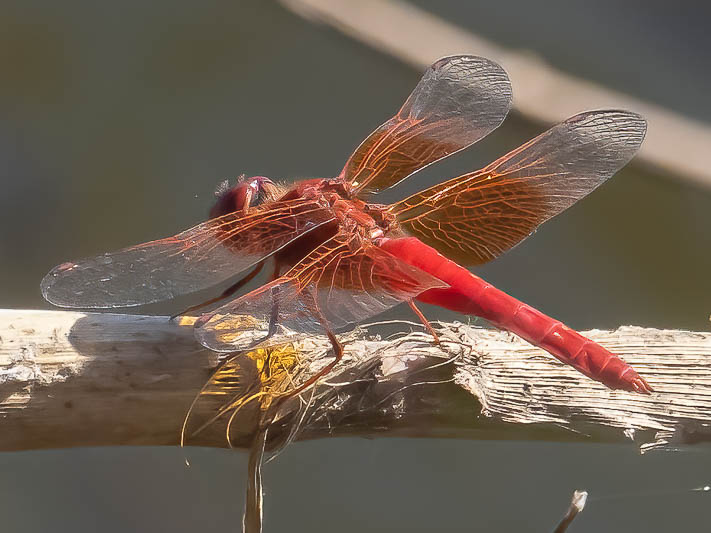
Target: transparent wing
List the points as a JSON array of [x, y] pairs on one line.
[[339, 284], [195, 259], [234, 385], [459, 100], [478, 216]]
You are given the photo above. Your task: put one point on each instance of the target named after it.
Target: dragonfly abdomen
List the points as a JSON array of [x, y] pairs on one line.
[[471, 295]]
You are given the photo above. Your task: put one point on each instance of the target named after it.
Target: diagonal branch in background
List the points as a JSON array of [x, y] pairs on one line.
[[674, 144], [88, 379]]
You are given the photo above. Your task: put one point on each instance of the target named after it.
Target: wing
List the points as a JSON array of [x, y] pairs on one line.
[[340, 283], [195, 259], [232, 386], [477, 217], [459, 100]]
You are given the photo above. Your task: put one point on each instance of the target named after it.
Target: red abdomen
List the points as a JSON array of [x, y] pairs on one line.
[[471, 295]]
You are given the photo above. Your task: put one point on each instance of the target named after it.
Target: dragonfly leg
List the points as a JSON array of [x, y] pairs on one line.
[[229, 291], [337, 356], [274, 317], [271, 413], [424, 320]]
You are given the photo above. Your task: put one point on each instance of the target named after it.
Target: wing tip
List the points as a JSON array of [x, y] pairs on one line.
[[48, 286], [57, 289], [632, 123], [225, 333], [201, 334], [475, 65], [451, 60], [617, 133]]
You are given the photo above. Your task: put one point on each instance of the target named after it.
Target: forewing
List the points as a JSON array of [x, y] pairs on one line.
[[195, 259], [459, 100], [476, 217], [340, 283]]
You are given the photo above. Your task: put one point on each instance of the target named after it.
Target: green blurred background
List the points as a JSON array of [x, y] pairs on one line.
[[117, 121]]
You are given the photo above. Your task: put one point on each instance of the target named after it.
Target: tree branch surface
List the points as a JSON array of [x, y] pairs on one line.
[[89, 379]]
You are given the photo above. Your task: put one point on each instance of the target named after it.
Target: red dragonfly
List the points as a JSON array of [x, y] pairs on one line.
[[339, 259]]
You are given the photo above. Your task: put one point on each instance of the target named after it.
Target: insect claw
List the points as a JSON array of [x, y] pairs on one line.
[[646, 387], [639, 384]]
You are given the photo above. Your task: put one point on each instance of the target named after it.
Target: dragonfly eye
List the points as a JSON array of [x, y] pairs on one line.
[[247, 192]]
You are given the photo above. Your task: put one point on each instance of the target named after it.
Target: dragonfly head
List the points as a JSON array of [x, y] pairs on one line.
[[246, 193]]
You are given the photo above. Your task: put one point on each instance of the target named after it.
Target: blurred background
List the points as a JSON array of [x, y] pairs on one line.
[[117, 122]]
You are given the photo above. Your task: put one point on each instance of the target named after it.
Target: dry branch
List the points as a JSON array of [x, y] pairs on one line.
[[86, 379], [577, 504], [674, 144]]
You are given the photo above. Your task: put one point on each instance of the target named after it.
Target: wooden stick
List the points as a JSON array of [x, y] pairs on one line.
[[577, 504], [87, 379], [674, 144]]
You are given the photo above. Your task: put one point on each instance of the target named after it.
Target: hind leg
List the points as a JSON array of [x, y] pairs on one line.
[[424, 321]]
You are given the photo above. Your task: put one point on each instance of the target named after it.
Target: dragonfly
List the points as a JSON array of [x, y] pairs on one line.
[[338, 258]]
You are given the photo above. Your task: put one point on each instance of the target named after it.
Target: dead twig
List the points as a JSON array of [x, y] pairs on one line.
[[88, 379]]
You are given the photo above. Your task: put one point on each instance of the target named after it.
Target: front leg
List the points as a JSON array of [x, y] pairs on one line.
[[229, 291]]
